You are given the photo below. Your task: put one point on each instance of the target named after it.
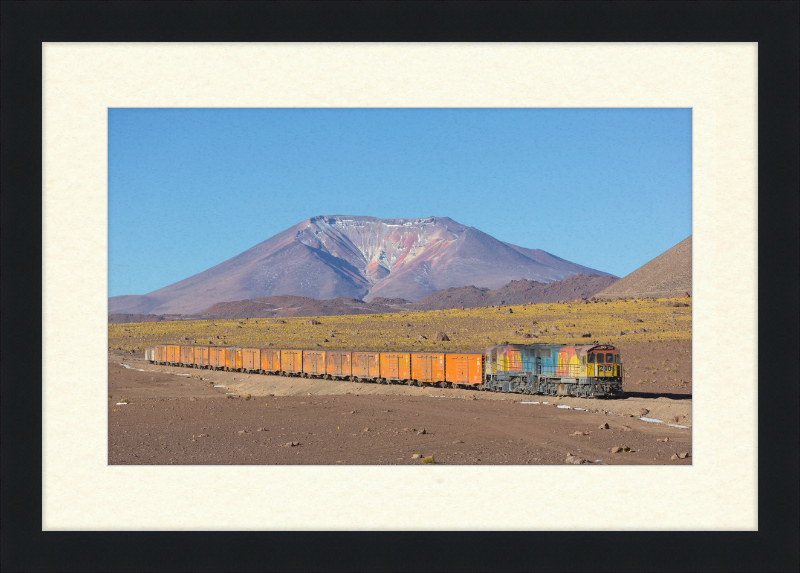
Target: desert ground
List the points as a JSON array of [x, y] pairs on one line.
[[190, 416]]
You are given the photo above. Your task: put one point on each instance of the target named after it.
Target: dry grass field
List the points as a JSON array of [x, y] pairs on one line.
[[473, 329]]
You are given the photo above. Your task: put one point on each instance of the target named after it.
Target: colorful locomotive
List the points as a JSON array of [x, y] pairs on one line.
[[591, 371]]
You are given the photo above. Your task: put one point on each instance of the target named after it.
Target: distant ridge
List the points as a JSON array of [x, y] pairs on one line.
[[516, 292], [667, 275], [343, 256]]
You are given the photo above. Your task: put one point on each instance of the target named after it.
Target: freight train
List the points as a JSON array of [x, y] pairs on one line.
[[590, 371]]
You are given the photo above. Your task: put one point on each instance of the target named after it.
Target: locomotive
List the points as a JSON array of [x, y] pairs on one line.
[[588, 371]]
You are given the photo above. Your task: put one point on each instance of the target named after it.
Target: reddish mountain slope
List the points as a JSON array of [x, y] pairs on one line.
[[330, 257], [668, 275]]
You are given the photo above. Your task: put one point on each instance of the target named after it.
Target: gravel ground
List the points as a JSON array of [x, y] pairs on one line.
[[174, 419]]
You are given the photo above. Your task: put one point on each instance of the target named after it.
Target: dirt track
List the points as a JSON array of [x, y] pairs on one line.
[[174, 419]]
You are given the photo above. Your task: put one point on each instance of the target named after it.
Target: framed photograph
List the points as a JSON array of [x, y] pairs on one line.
[[396, 56]]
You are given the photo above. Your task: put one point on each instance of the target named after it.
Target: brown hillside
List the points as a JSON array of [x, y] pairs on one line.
[[127, 318], [516, 292], [287, 305], [668, 275]]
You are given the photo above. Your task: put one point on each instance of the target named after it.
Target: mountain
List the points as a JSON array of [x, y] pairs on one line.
[[668, 275], [329, 257]]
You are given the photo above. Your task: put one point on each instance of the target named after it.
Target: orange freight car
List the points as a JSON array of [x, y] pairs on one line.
[[187, 356], [292, 361], [160, 353], [396, 367], [270, 360], [338, 365], [365, 366], [427, 368], [233, 359], [313, 363], [464, 369], [216, 358], [201, 356], [173, 353], [251, 360]]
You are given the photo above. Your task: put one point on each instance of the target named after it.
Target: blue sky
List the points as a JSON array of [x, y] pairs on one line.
[[190, 188]]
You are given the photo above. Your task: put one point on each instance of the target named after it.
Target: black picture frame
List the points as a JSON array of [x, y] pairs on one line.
[[774, 25]]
